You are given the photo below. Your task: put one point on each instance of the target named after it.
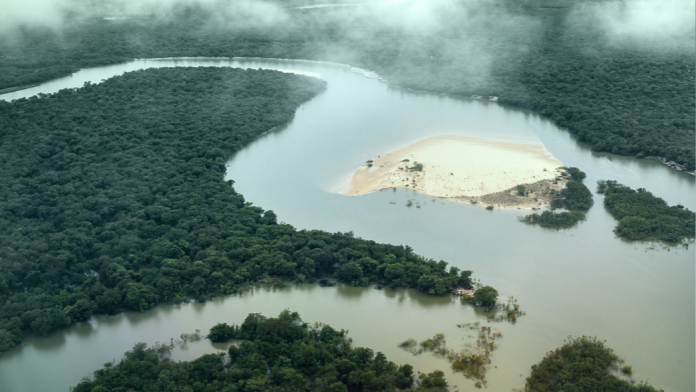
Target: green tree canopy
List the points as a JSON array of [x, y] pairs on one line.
[[486, 296], [275, 354], [581, 364]]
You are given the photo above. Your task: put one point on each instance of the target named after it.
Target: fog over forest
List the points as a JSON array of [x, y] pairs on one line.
[[648, 20], [465, 33]]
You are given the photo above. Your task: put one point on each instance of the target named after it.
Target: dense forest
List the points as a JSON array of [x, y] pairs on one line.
[[582, 364], [645, 217], [275, 354], [575, 197], [113, 198], [625, 95]]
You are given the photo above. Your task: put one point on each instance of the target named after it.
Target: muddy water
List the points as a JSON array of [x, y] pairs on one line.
[[580, 281]]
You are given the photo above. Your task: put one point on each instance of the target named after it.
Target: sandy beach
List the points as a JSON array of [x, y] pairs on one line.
[[466, 169]]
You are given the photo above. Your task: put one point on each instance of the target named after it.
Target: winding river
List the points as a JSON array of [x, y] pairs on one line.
[[581, 281]]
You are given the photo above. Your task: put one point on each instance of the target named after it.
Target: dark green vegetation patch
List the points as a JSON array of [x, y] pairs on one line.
[[645, 217], [113, 198], [581, 364], [575, 197], [275, 354]]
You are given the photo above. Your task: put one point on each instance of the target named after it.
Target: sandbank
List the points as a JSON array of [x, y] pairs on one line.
[[466, 169]]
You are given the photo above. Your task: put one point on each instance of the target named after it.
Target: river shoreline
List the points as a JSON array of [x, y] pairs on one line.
[[17, 88]]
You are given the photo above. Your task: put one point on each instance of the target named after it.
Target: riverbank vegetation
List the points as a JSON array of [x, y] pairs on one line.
[[645, 217], [113, 199], [275, 354], [575, 197], [582, 364], [615, 91]]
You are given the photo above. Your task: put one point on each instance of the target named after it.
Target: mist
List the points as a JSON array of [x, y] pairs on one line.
[[56, 14], [653, 25], [480, 45]]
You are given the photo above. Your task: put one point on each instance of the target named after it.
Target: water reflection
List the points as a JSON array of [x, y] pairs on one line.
[[50, 344], [84, 329]]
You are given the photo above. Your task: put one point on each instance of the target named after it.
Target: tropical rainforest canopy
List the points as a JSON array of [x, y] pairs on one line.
[[113, 198], [275, 354]]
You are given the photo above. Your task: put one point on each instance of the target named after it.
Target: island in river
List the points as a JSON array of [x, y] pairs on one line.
[[466, 169]]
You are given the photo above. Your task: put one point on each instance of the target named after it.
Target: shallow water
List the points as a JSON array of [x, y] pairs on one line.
[[581, 281]]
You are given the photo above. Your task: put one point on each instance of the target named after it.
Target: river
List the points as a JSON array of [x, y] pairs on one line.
[[581, 281]]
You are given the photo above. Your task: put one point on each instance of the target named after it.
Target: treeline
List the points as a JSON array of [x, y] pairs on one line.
[[113, 198], [645, 217], [582, 364], [575, 197], [275, 354], [627, 97]]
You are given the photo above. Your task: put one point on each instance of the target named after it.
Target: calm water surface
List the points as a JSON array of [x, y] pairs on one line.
[[581, 281]]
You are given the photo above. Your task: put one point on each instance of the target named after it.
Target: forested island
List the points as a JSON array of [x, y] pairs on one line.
[[645, 217], [286, 354], [625, 94], [582, 364], [274, 354], [113, 199]]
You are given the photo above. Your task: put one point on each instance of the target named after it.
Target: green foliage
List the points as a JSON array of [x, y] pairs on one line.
[[521, 190], [275, 354], [222, 332], [434, 381], [643, 216], [575, 173], [575, 197], [113, 199], [555, 220], [581, 364], [486, 296]]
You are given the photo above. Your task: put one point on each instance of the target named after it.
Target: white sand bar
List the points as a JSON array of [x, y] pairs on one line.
[[456, 166]]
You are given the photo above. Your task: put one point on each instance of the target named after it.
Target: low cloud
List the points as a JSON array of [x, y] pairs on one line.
[[664, 24], [54, 13]]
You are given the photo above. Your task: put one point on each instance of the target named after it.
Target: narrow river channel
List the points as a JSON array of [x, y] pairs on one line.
[[581, 281]]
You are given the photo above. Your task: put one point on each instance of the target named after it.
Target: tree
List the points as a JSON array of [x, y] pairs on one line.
[[486, 296], [581, 364], [434, 381]]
